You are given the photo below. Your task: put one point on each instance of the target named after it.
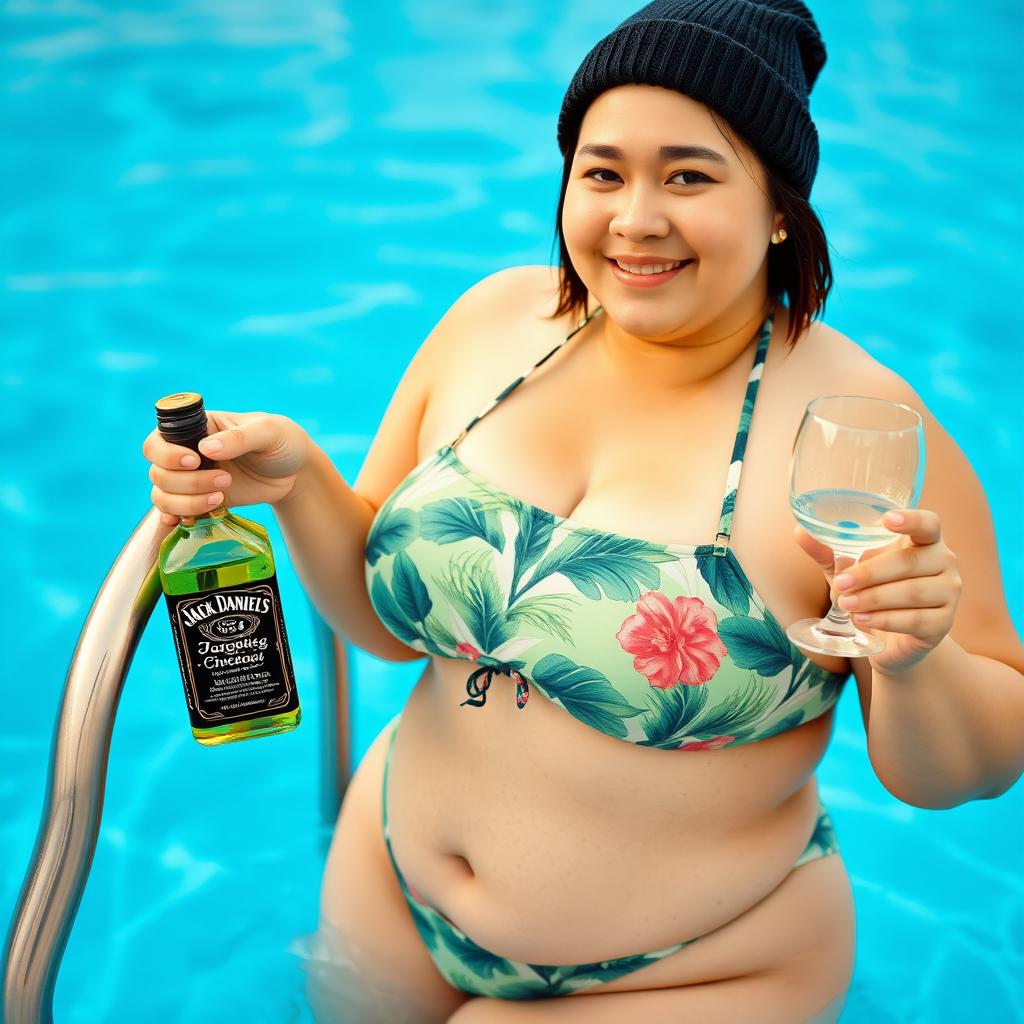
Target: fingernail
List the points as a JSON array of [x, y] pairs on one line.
[[210, 444], [842, 582], [895, 518], [221, 480], [190, 461], [215, 498]]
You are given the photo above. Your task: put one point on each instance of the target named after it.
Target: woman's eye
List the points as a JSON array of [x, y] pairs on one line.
[[702, 177], [601, 170]]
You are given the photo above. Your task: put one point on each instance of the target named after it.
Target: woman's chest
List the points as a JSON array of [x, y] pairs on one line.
[[656, 467]]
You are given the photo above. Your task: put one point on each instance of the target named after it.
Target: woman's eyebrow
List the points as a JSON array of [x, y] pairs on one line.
[[665, 153]]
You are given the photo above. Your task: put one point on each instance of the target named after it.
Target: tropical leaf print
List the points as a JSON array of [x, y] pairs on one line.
[[424, 924], [470, 956], [389, 611], [393, 531], [585, 693], [728, 582], [831, 686], [728, 507], [535, 527], [571, 979], [519, 989], [472, 589], [739, 715], [757, 644], [440, 637], [593, 562], [790, 721], [465, 982], [824, 837], [747, 413], [453, 519], [546, 612], [548, 975], [672, 714], [409, 590], [683, 713], [699, 663]]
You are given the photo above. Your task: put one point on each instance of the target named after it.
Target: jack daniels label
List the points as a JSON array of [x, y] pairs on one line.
[[233, 653]]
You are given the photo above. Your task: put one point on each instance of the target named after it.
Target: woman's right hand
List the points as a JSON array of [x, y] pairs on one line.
[[260, 461]]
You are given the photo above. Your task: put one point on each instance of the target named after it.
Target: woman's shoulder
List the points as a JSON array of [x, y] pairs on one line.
[[836, 362], [514, 308], [531, 288], [514, 284], [823, 356]]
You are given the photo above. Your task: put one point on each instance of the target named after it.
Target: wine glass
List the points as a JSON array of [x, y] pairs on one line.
[[854, 459]]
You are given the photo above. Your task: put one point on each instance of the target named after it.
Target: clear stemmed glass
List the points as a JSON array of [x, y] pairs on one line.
[[854, 459]]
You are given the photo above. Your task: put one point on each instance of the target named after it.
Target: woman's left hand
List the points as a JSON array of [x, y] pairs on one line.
[[906, 592]]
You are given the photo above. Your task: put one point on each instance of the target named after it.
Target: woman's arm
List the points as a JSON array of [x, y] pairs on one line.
[[950, 727], [325, 522], [949, 730], [325, 525]]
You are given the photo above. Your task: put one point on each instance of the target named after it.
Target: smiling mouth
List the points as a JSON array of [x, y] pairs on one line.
[[658, 270]]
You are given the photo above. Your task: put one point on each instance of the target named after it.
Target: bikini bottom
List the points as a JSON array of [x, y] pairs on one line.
[[471, 968]]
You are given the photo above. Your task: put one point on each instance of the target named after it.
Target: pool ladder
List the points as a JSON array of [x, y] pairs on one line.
[[73, 804]]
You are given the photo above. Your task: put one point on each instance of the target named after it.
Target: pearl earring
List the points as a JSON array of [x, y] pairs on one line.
[[779, 236]]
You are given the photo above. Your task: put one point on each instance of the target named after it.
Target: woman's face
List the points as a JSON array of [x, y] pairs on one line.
[[639, 202]]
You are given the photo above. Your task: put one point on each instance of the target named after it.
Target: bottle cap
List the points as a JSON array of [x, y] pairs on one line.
[[181, 418]]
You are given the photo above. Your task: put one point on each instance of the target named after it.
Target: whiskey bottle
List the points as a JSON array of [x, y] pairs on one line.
[[218, 577]]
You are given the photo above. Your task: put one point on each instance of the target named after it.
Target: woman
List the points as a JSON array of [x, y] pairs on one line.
[[592, 807]]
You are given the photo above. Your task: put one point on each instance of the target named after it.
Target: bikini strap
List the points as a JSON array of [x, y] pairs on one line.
[[519, 380], [740, 444], [739, 448]]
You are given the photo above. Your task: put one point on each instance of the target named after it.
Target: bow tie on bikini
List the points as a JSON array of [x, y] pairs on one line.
[[478, 694]]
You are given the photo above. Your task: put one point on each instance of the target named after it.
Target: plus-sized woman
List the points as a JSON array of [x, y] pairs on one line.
[[599, 803]]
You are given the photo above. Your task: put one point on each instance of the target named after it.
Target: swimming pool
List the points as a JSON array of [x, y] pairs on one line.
[[273, 204]]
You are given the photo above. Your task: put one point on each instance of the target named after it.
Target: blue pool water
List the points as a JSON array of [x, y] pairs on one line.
[[273, 204]]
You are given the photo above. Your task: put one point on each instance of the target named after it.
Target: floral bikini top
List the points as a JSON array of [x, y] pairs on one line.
[[663, 645]]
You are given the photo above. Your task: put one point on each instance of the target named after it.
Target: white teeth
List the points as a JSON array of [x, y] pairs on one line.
[[659, 268]]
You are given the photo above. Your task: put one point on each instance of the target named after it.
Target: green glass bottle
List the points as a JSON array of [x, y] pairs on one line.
[[218, 577]]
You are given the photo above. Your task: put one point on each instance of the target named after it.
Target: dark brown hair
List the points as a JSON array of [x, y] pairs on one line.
[[798, 267]]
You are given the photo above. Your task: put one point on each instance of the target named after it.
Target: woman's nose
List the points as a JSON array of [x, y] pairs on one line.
[[639, 215]]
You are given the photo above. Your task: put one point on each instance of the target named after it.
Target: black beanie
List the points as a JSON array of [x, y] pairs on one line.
[[752, 61]]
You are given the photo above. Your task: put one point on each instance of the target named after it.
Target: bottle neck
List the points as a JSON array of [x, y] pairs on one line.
[[188, 522]]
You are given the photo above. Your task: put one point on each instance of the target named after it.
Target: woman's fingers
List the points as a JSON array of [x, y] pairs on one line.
[[179, 490], [229, 437], [170, 456], [256, 454], [185, 504], [178, 481]]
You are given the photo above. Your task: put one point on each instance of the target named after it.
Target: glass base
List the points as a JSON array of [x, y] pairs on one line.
[[808, 636]]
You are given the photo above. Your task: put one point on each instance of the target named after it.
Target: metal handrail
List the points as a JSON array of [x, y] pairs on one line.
[[80, 751]]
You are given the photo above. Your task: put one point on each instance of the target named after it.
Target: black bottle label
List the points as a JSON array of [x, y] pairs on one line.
[[233, 653]]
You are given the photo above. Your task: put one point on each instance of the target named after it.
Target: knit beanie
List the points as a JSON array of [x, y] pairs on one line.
[[752, 61]]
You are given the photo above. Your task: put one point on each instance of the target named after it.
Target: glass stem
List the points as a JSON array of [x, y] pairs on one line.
[[837, 622]]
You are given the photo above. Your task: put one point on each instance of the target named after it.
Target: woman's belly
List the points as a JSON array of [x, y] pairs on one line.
[[549, 842]]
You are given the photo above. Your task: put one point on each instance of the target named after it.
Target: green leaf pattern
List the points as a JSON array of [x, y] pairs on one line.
[[470, 967], [460, 569]]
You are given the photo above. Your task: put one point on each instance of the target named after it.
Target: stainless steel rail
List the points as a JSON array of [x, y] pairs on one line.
[[73, 805]]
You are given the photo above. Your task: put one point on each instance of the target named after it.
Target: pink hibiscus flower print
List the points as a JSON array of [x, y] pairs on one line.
[[672, 641], [467, 650], [714, 744]]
